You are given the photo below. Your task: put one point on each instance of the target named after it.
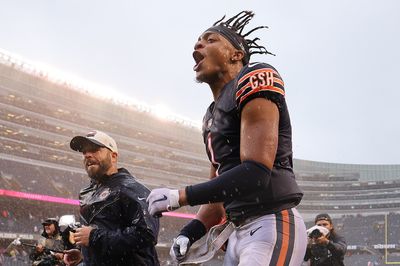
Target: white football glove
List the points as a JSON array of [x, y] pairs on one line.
[[163, 199], [16, 242], [180, 248]]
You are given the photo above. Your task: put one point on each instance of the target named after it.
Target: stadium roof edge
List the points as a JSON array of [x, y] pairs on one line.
[[339, 163], [76, 83]]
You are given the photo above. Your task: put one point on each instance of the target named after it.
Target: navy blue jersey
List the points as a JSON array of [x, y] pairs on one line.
[[221, 133]]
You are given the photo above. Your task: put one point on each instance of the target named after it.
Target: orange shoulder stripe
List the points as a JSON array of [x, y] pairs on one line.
[[264, 88], [279, 81], [239, 92], [261, 88]]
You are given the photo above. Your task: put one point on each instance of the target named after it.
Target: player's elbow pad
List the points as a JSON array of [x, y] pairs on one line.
[[242, 180]]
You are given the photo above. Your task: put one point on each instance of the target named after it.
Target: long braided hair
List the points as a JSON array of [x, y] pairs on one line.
[[233, 29]]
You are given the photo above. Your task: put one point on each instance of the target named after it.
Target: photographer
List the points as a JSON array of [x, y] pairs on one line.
[[41, 255], [325, 247]]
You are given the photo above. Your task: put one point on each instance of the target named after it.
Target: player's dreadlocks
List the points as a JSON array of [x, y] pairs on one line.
[[232, 30]]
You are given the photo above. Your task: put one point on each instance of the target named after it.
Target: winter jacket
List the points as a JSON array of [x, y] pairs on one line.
[[125, 233], [331, 254]]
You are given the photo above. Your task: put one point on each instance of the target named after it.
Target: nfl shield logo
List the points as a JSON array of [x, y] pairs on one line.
[[104, 194]]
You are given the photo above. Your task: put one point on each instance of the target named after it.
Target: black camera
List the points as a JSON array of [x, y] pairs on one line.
[[68, 225], [315, 233]]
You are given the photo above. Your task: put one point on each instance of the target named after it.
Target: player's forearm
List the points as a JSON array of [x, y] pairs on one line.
[[211, 214], [244, 179], [182, 192], [182, 198]]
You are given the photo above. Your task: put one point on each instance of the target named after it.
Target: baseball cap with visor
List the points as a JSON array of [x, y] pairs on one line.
[[96, 137]]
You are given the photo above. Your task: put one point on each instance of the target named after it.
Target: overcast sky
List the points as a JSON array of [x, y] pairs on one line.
[[339, 60]]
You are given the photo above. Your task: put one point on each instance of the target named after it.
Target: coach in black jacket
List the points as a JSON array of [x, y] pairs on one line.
[[117, 227]]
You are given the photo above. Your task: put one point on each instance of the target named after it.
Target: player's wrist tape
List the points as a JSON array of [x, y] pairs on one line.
[[194, 230], [244, 179]]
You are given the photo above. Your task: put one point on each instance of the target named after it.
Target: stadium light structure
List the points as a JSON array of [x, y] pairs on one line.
[[161, 111]]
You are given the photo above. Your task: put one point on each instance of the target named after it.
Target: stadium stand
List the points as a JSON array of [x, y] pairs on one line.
[[39, 113], [338, 194]]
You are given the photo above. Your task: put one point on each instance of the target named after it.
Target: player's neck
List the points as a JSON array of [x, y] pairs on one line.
[[224, 78]]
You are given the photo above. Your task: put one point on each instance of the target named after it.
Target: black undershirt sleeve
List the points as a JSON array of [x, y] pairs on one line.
[[248, 177]]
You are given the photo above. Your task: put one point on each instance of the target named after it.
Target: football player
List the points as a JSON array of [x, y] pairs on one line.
[[248, 139]]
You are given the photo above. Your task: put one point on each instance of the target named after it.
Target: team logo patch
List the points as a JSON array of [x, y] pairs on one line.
[[91, 134], [104, 194]]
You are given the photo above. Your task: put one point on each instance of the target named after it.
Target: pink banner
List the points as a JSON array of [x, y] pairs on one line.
[[46, 198]]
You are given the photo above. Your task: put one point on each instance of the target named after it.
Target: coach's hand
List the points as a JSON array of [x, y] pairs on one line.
[[72, 257], [163, 199], [180, 248], [82, 235]]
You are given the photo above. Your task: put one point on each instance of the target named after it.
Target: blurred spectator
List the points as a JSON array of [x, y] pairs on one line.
[[43, 254]]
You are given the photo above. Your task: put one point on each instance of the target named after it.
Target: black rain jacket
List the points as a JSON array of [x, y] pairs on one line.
[[125, 233], [329, 255]]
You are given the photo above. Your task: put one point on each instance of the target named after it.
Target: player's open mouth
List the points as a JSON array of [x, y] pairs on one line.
[[198, 58]]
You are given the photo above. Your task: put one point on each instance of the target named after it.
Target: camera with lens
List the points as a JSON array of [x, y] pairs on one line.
[[316, 233], [68, 225]]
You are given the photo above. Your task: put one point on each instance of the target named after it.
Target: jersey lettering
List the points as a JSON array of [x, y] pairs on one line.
[[262, 79]]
